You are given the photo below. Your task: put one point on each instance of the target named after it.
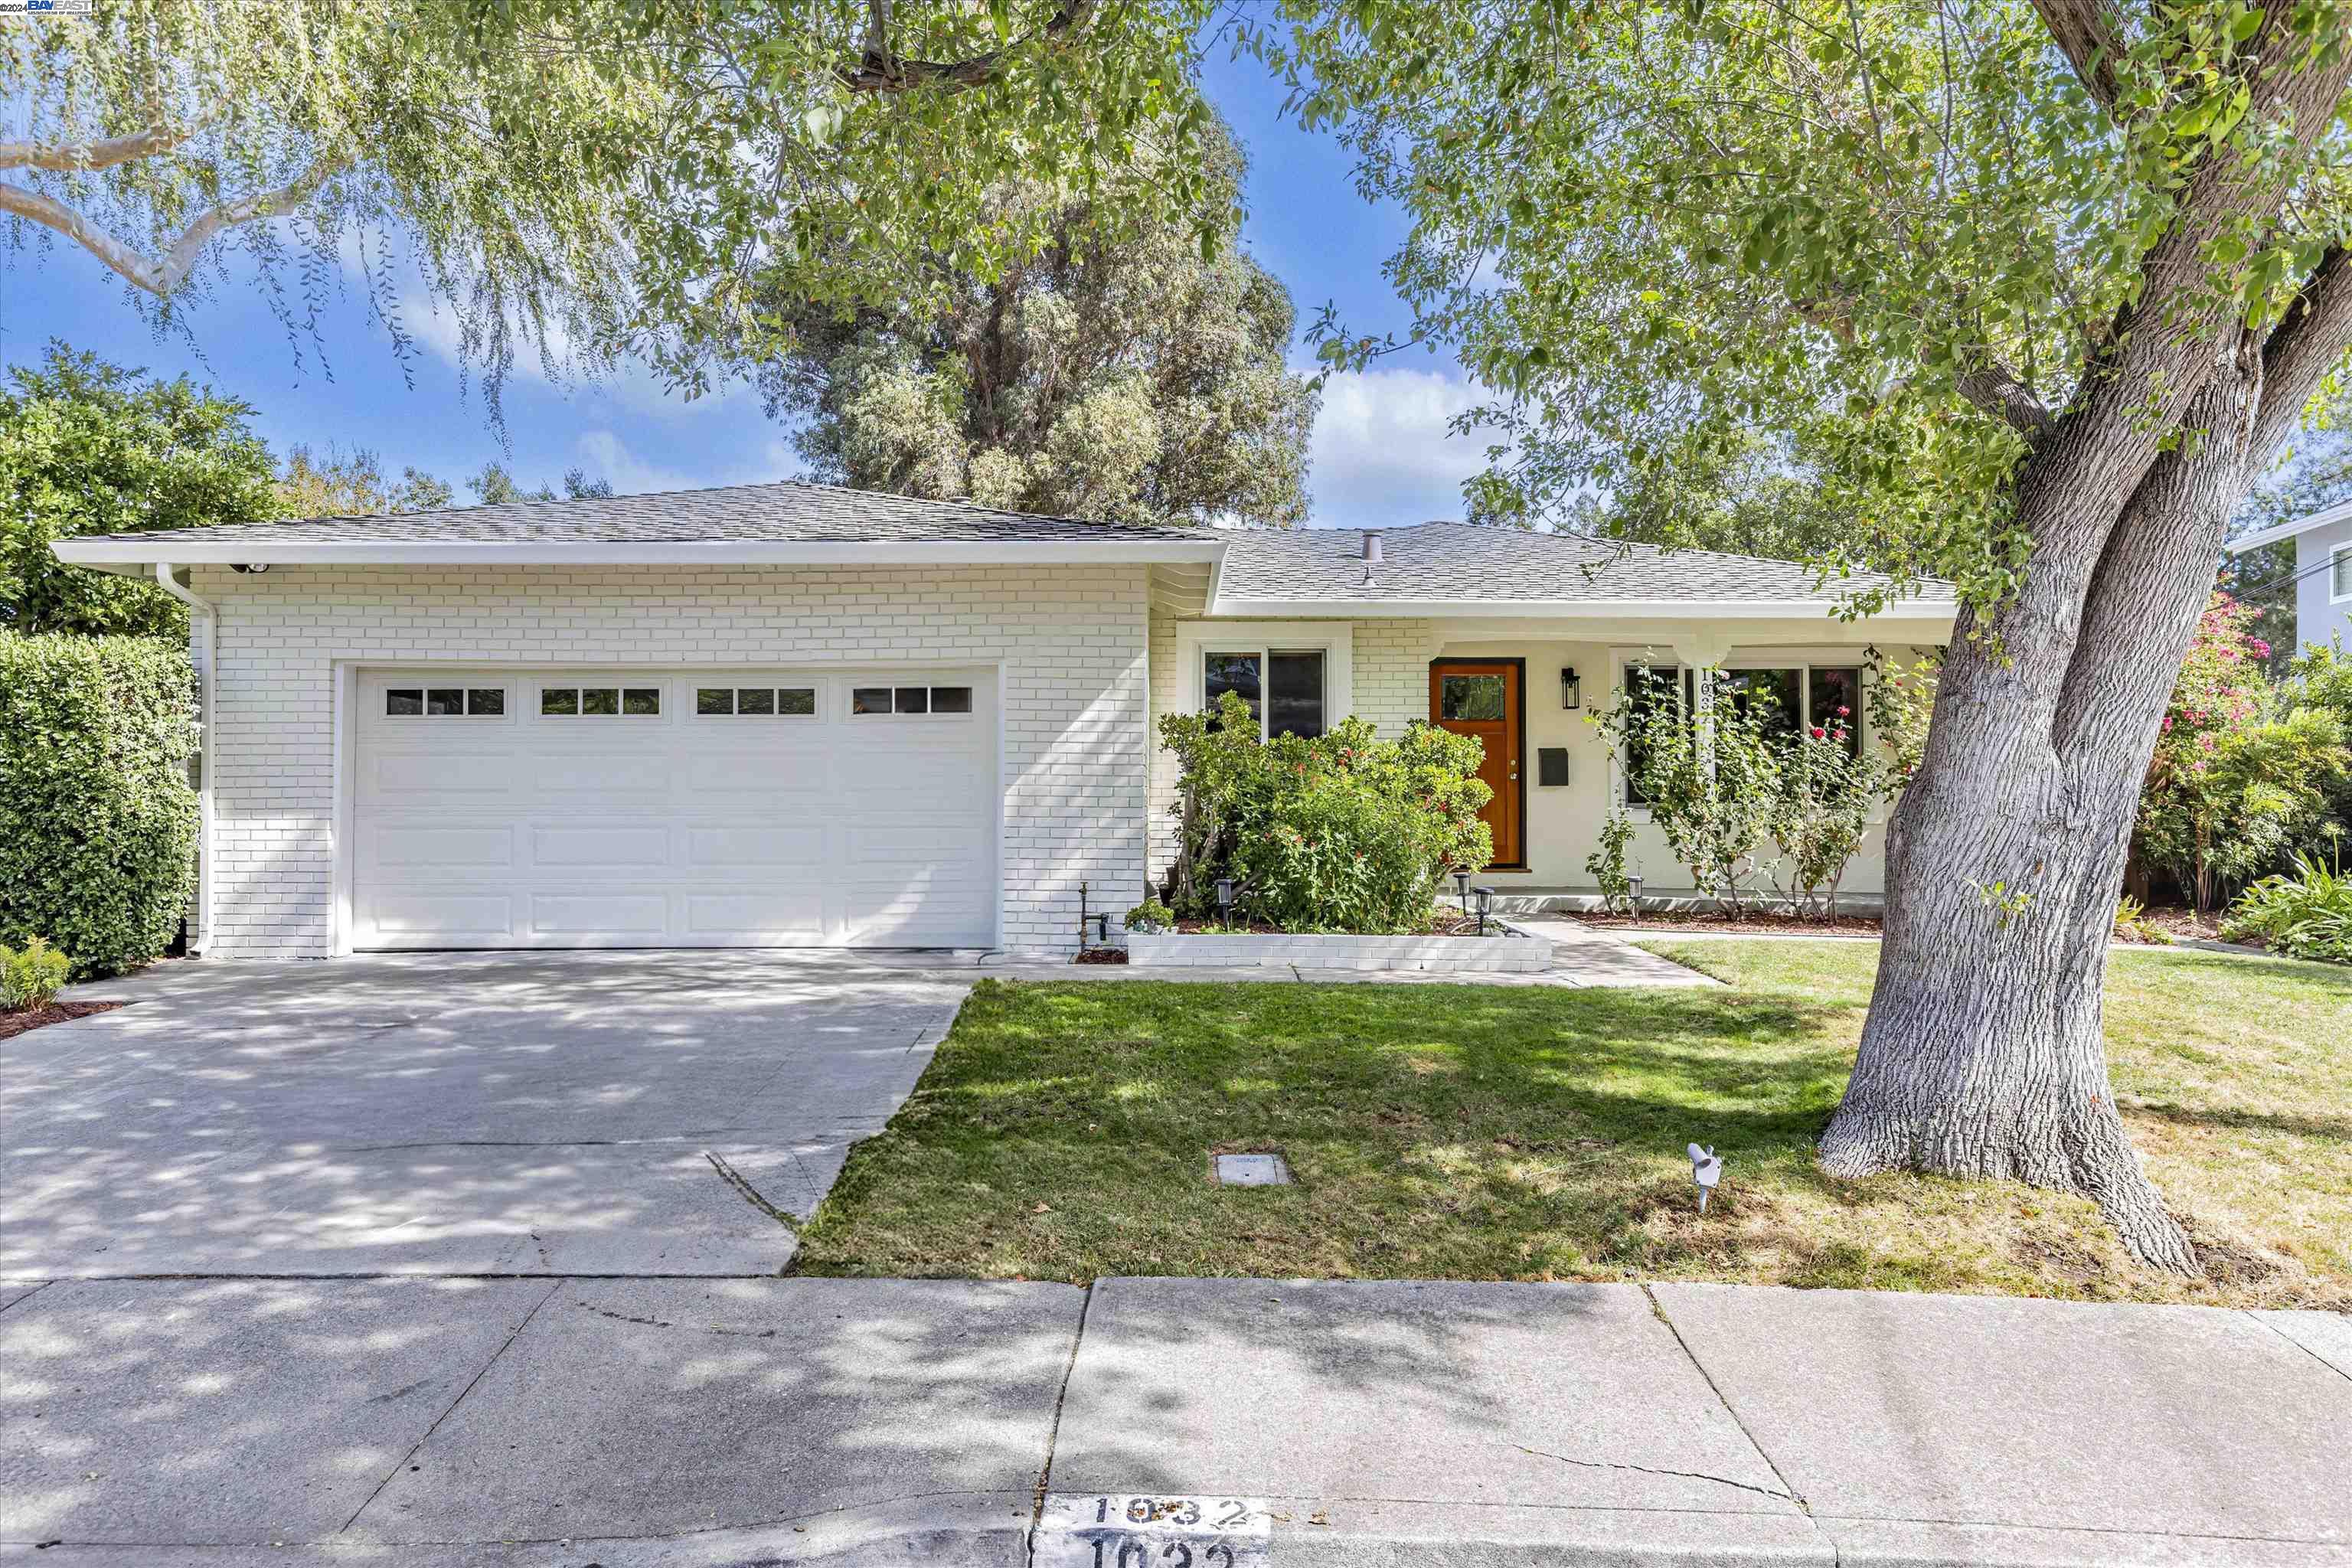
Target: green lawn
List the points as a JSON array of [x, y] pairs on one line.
[[1064, 1132]]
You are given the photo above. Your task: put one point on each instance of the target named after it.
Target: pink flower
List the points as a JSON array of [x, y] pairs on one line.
[[2260, 649], [1843, 712]]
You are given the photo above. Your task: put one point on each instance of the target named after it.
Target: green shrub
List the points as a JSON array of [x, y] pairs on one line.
[[1346, 832], [2306, 915], [30, 980], [1150, 915], [98, 819]]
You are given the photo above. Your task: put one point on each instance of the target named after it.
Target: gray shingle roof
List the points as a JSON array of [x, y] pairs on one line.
[[787, 512], [1465, 561]]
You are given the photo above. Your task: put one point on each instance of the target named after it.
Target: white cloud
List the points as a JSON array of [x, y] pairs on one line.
[[603, 454], [1382, 453]]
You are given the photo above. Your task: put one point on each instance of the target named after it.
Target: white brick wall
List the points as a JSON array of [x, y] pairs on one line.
[[1392, 672], [1072, 641]]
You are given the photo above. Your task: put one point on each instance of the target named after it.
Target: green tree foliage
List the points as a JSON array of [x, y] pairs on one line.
[[98, 819], [1744, 493], [493, 485], [91, 448], [583, 177], [1125, 373], [353, 484], [1893, 237]]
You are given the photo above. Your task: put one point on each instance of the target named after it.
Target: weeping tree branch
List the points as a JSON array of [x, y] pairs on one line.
[[85, 157], [2082, 33], [883, 72], [159, 276]]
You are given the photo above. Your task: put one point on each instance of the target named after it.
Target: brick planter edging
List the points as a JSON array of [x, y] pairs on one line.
[[1508, 954]]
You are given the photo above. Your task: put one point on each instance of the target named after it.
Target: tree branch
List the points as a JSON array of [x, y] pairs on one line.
[[160, 277], [2090, 47], [2302, 348], [83, 157], [1996, 389], [882, 72]]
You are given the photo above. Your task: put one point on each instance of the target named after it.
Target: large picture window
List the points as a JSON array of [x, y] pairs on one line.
[[1787, 699]]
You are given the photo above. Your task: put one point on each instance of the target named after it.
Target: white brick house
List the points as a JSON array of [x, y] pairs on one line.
[[789, 715]]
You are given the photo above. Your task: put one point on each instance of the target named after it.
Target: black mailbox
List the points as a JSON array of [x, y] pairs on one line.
[[1552, 764]]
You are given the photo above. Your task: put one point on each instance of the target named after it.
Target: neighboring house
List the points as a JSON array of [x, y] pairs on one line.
[[2322, 572], [789, 714]]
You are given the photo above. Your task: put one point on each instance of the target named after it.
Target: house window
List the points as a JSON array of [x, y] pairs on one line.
[[2339, 572], [1285, 688], [1786, 700], [910, 699], [446, 702], [1472, 697]]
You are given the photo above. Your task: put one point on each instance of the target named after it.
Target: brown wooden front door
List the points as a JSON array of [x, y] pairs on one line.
[[1481, 698]]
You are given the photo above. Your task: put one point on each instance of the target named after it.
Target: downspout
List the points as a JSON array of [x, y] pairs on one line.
[[206, 681]]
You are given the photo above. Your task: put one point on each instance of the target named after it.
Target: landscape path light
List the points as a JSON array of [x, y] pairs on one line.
[[1706, 1169]]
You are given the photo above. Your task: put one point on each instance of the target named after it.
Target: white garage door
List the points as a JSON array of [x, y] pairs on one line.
[[621, 809]]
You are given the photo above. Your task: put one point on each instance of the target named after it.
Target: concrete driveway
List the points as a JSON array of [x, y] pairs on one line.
[[624, 1113]]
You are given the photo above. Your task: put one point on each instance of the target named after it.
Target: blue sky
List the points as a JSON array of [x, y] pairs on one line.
[[1380, 455]]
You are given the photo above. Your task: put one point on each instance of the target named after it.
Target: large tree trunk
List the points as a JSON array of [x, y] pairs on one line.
[[1984, 1053]]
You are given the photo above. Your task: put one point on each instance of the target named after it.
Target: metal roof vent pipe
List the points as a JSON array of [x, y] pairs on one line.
[[1371, 553]]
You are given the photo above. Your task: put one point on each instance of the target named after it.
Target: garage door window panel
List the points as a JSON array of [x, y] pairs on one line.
[[909, 702], [444, 702]]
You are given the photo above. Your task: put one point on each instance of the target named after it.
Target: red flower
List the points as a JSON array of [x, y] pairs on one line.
[[1819, 734]]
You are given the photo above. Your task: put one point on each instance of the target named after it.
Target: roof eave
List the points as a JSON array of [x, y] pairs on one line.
[[2278, 530], [184, 551], [1582, 609]]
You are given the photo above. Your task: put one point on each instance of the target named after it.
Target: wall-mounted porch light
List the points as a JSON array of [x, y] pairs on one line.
[[1572, 690]]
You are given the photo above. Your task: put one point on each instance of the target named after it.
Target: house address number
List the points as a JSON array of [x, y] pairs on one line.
[[1153, 1531]]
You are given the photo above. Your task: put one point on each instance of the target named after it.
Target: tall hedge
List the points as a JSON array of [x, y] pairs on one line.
[[98, 819]]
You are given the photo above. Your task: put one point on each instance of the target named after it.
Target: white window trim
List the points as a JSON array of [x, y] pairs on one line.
[[1804, 661], [1334, 641], [2335, 555]]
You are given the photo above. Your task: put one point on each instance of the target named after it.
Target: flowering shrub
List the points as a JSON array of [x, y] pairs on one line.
[[1820, 810], [2232, 784], [1346, 832]]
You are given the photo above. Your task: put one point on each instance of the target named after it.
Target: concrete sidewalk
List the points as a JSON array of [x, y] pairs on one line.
[[539, 1421]]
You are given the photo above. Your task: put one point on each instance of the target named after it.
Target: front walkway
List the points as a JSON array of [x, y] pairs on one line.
[[1580, 956], [628, 1423]]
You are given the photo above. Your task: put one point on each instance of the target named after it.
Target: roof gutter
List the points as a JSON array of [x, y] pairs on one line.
[[252, 551], [203, 610], [1582, 609], [2278, 530]]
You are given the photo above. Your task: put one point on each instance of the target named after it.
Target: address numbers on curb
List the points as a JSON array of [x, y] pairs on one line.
[[1153, 1530]]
